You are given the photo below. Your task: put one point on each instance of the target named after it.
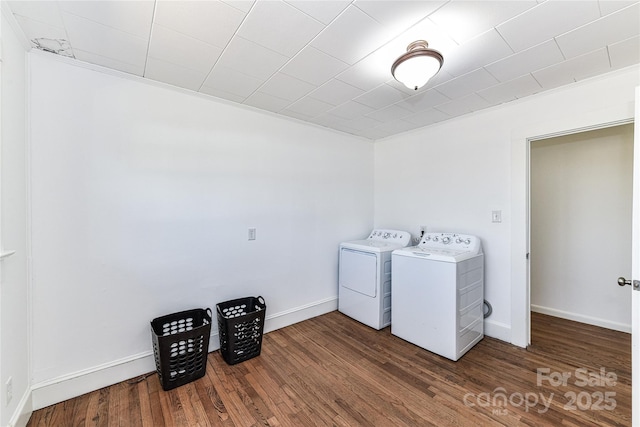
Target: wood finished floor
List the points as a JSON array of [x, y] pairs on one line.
[[333, 371]]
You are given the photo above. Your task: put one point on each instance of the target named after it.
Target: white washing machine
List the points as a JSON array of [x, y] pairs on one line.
[[364, 277], [438, 293]]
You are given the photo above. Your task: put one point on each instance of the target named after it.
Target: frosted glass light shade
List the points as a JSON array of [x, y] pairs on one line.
[[416, 67]]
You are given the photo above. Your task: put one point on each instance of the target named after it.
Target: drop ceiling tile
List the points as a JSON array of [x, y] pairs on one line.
[[423, 100], [364, 123], [46, 12], [231, 81], [464, 20], [387, 114], [173, 74], [286, 87], [267, 102], [511, 90], [332, 122], [424, 30], [546, 21], [171, 46], [310, 107], [36, 29], [573, 69], [475, 53], [368, 73], [398, 14], [252, 59], [105, 41], [397, 126], [336, 92], [219, 93], [296, 115], [625, 53], [381, 97], [467, 84], [243, 5], [351, 110], [213, 22], [133, 17], [427, 117], [464, 105], [324, 11], [113, 64], [279, 26], [351, 37], [613, 28], [313, 66], [526, 61], [610, 6], [374, 133]]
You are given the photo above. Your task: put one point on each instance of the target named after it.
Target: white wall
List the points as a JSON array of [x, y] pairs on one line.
[[14, 306], [581, 188], [142, 196], [450, 176]]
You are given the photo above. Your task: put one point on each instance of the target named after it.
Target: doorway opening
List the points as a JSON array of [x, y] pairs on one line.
[[580, 207]]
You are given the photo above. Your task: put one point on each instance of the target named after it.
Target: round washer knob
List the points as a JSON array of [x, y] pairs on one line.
[[467, 241], [446, 240], [458, 240]]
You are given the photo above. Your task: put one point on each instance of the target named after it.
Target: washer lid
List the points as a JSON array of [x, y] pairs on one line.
[[436, 254], [371, 245]]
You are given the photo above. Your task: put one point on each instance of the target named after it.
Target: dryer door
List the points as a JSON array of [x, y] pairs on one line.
[[359, 271]]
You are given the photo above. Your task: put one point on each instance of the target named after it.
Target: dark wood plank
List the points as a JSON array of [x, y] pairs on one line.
[[334, 371]]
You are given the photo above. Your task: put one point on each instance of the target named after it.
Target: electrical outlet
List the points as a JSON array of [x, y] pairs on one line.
[[252, 233], [9, 390], [496, 216]]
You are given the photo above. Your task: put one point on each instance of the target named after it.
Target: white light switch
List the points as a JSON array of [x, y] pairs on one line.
[[252, 233], [496, 216]]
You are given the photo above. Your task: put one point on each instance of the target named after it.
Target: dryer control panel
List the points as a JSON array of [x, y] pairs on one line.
[[451, 241], [391, 236]]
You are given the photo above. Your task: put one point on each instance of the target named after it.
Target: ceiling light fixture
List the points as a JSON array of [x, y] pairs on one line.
[[414, 68]]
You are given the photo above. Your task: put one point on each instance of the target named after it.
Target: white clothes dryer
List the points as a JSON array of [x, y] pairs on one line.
[[364, 276], [438, 293]]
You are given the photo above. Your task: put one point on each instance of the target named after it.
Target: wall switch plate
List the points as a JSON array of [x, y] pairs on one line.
[[252, 233], [496, 216]]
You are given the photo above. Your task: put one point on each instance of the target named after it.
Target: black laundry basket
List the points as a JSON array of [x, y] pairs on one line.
[[181, 345], [241, 325]]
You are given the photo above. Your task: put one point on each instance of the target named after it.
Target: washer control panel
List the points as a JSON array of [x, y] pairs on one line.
[[391, 236], [450, 241]]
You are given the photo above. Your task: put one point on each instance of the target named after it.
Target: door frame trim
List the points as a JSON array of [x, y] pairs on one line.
[[520, 246]]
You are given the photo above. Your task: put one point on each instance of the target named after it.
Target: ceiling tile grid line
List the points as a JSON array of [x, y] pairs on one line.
[[224, 48], [266, 82], [153, 19], [328, 62], [309, 44]]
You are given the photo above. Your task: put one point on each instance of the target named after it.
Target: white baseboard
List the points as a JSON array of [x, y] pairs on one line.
[[622, 327], [23, 411], [497, 330], [77, 383]]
